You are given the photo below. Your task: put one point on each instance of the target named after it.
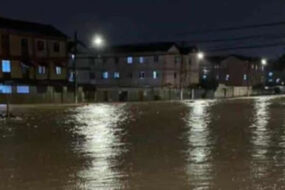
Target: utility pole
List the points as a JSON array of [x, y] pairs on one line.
[[74, 57]]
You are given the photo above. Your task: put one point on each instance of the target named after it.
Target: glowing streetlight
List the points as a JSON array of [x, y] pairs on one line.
[[264, 62], [98, 41], [200, 55]]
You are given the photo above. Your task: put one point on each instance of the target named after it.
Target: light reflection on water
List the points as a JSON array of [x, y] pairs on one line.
[[199, 166], [98, 123]]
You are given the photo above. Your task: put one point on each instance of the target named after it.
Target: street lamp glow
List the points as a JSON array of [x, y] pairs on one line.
[[98, 41], [264, 62], [200, 55]]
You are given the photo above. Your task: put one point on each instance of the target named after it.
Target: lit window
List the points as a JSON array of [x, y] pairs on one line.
[[227, 77], [204, 77], [58, 70], [244, 77], [270, 74], [23, 89], [141, 59], [141, 75], [105, 75], [6, 66], [130, 60], [155, 75], [42, 69], [116, 75], [5, 89], [71, 77]]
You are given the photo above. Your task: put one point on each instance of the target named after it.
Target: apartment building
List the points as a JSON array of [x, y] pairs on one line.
[[233, 70], [31, 54], [139, 68]]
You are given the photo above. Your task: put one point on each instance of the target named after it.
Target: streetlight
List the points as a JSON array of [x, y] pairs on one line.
[[98, 41], [264, 62], [200, 55]]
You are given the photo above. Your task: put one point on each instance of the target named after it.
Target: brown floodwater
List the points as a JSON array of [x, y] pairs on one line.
[[203, 144]]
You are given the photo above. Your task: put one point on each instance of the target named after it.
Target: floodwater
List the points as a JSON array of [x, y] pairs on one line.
[[203, 144]]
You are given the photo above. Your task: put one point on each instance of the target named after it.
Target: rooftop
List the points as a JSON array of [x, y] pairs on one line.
[[147, 47], [30, 27]]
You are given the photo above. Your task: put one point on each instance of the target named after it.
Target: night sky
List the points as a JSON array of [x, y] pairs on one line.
[[128, 21]]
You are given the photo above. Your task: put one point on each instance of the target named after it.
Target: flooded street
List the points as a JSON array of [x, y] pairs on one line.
[[204, 144]]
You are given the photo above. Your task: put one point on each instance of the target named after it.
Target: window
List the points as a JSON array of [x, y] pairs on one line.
[[190, 61], [156, 58], [204, 77], [56, 47], [130, 60], [155, 75], [23, 89], [227, 77], [270, 74], [116, 75], [141, 59], [41, 70], [40, 45], [117, 60], [92, 75], [24, 43], [58, 70], [131, 75], [105, 75], [5, 89], [6, 66], [252, 66], [177, 60], [141, 75], [175, 75], [244, 77], [71, 77]]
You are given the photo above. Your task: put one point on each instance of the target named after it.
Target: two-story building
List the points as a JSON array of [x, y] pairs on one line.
[[236, 75], [139, 71], [31, 55]]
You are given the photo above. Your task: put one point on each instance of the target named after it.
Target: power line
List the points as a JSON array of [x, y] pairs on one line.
[[237, 28], [248, 47], [242, 38]]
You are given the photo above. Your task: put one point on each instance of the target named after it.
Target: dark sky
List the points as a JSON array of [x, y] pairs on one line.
[[125, 21]]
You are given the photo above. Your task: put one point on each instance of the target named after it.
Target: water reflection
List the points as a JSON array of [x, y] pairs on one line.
[[261, 134], [199, 166], [98, 123]]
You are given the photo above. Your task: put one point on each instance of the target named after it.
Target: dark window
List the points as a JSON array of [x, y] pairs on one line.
[[175, 75], [92, 75], [141, 75], [117, 60], [156, 58], [40, 45], [5, 44], [56, 47], [25, 47], [130, 75], [190, 61]]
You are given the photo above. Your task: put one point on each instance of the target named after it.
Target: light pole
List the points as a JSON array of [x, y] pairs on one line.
[[200, 56]]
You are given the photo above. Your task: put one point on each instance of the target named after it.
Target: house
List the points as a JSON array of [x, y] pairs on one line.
[[32, 55]]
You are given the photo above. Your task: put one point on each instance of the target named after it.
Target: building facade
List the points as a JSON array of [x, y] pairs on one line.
[[138, 69], [31, 54], [233, 70]]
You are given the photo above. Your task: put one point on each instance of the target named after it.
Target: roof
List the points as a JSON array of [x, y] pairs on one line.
[[30, 27], [146, 47]]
